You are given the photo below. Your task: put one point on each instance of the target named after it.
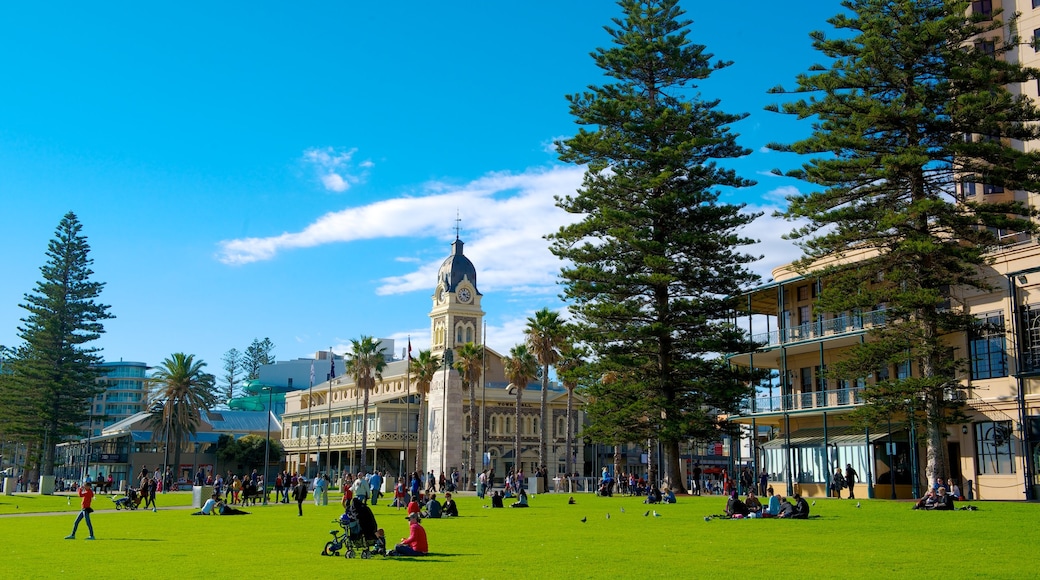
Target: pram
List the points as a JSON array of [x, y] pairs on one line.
[[357, 533], [130, 500]]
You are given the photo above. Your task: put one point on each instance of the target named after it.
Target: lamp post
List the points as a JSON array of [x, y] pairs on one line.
[[267, 445]]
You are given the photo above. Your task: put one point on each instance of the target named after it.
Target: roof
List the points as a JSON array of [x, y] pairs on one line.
[[241, 421], [457, 268], [843, 435]]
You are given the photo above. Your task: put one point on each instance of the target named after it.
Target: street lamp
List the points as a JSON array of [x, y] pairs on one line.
[[267, 444]]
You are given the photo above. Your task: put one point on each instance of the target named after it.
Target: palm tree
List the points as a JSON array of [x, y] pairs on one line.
[[423, 368], [183, 391], [520, 368], [571, 360], [545, 334], [365, 364], [470, 364]]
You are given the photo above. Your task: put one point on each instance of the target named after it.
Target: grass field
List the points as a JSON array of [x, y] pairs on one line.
[[879, 540]]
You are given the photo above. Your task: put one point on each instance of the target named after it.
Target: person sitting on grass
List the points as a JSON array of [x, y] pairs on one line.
[[451, 509], [653, 495], [208, 507], [801, 508], [433, 508], [669, 495], [786, 509], [379, 547], [943, 501], [773, 509], [415, 544], [753, 505], [521, 499], [927, 502], [496, 499], [736, 508]]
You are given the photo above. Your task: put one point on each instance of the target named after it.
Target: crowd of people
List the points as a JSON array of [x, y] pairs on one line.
[[776, 506]]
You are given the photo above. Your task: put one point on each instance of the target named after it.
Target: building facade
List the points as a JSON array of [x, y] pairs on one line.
[[323, 425], [991, 455]]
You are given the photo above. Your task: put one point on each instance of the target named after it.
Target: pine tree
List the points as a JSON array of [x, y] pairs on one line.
[[913, 105], [233, 365], [258, 353], [53, 377], [655, 256]]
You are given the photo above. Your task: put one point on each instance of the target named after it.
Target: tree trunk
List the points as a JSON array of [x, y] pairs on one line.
[[364, 428], [419, 435], [543, 431], [516, 452], [672, 471]]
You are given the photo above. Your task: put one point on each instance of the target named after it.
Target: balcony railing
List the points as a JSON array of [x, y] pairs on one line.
[[803, 401], [835, 326]]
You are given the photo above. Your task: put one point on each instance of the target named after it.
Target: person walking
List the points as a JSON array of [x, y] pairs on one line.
[[86, 495], [300, 493], [837, 483], [851, 477]]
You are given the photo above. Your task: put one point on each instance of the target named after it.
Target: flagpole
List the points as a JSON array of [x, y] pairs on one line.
[[483, 396], [408, 404]]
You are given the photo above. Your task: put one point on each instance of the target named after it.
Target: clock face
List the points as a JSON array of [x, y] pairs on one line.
[[464, 295]]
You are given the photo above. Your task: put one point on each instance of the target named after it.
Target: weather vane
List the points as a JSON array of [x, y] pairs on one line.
[[458, 220]]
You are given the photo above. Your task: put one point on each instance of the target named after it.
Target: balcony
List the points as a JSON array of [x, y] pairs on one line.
[[821, 400], [823, 328]]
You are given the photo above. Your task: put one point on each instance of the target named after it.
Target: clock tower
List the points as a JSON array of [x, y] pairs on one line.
[[456, 317]]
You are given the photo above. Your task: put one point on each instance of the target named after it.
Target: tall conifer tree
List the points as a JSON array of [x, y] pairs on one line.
[[655, 255], [911, 111], [53, 377]]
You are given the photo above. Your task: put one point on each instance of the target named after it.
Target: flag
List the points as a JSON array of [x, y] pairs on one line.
[[332, 369], [312, 373], [409, 349]]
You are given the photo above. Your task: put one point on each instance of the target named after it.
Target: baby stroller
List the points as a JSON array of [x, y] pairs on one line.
[[130, 500], [358, 533]]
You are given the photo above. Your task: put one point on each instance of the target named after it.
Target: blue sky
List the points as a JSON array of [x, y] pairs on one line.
[[294, 171]]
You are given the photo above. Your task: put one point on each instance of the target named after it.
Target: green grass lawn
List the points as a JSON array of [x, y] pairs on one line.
[[880, 540]]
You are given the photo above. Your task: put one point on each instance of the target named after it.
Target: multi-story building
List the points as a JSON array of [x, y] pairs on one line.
[[323, 425], [125, 394], [991, 455]]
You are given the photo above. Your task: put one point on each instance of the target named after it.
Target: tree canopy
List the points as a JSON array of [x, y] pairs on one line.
[[655, 259], [915, 167]]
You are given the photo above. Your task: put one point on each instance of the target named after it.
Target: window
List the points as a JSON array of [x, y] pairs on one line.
[[988, 188], [986, 47], [803, 292], [903, 370], [1030, 337], [1036, 3], [804, 315], [984, 7], [968, 186], [1036, 34], [988, 350], [994, 447]]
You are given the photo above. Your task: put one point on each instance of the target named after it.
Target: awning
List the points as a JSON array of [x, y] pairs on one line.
[[843, 435], [204, 437]]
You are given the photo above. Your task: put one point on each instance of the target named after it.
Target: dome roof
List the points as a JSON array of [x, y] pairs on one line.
[[455, 268]]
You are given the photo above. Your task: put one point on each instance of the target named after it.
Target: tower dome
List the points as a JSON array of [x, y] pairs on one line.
[[456, 268]]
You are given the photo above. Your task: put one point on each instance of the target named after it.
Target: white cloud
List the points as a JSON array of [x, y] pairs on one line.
[[506, 218], [333, 167], [769, 232]]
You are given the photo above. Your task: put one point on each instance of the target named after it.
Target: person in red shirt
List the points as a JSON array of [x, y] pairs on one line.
[[415, 543], [86, 495]]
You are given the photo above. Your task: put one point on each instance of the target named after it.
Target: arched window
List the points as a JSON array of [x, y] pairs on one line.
[[561, 427], [469, 334], [465, 421], [494, 424], [509, 425]]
